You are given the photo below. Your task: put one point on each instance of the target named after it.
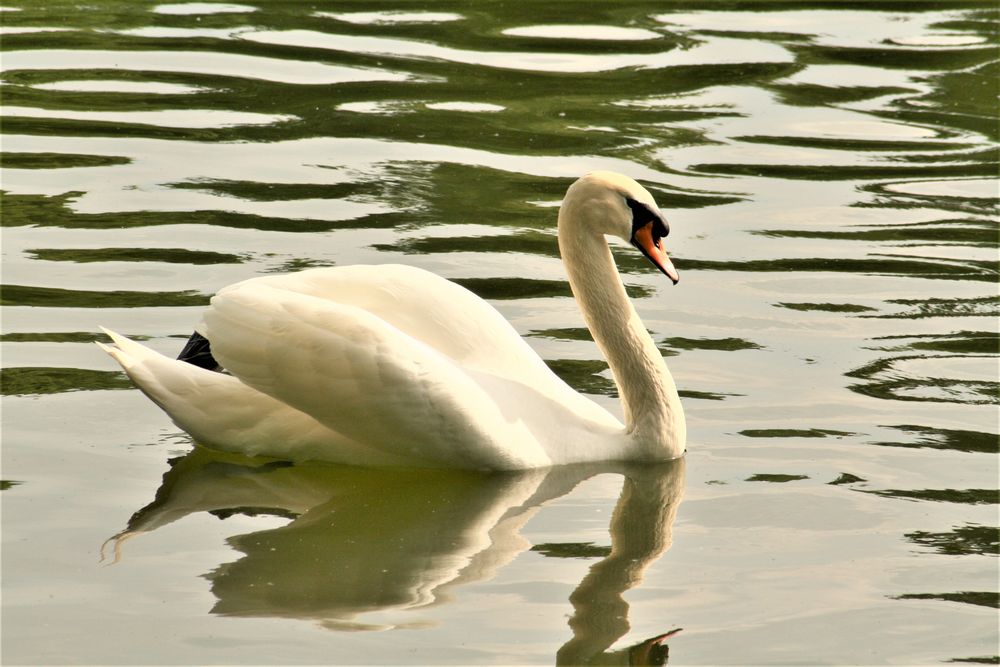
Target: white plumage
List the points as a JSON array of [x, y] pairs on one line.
[[392, 365]]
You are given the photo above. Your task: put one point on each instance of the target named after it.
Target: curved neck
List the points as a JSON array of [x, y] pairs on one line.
[[653, 415]]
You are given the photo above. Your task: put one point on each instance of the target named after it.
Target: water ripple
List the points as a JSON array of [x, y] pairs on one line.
[[715, 52], [195, 62]]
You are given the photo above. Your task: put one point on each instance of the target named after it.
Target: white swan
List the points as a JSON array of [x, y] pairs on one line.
[[392, 365]]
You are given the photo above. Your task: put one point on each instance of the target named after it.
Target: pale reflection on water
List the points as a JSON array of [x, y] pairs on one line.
[[365, 540]]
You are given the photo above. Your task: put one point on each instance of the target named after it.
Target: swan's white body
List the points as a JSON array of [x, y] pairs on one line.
[[392, 365]]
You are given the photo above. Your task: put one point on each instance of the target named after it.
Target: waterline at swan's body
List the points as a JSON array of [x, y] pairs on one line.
[[393, 365]]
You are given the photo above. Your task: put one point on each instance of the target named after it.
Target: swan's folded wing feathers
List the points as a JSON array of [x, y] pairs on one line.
[[427, 307], [364, 378], [440, 314]]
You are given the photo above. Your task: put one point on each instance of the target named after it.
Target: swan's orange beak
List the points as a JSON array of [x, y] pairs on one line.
[[652, 247]]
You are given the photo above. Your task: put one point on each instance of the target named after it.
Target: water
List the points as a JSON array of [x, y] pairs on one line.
[[829, 170]]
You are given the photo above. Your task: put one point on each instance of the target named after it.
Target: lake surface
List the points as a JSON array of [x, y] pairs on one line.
[[830, 174]]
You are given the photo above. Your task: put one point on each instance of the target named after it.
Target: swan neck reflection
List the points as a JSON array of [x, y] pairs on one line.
[[641, 530]]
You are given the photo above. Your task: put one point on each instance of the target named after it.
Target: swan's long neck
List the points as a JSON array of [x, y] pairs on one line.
[[653, 416]]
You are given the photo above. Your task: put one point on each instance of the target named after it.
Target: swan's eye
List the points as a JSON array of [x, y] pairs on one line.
[[643, 214]]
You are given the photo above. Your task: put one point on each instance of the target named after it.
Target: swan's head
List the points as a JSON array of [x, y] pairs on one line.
[[610, 203]]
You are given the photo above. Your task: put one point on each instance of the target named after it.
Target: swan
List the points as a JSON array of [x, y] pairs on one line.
[[391, 365]]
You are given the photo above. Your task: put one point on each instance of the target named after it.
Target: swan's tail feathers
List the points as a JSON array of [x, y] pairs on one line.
[[218, 410], [126, 352], [180, 388], [199, 401], [145, 367]]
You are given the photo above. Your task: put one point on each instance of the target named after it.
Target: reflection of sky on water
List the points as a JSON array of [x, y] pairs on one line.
[[853, 29], [717, 51], [195, 62]]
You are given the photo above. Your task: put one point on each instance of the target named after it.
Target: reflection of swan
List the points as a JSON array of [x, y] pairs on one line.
[[439, 376], [601, 614], [352, 548]]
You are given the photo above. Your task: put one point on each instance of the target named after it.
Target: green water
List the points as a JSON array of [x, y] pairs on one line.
[[829, 170]]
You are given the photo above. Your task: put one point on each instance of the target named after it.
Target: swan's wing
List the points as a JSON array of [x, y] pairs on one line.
[[427, 307], [363, 377], [444, 316]]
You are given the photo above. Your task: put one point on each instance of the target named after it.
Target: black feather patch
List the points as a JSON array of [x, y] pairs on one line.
[[198, 352]]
